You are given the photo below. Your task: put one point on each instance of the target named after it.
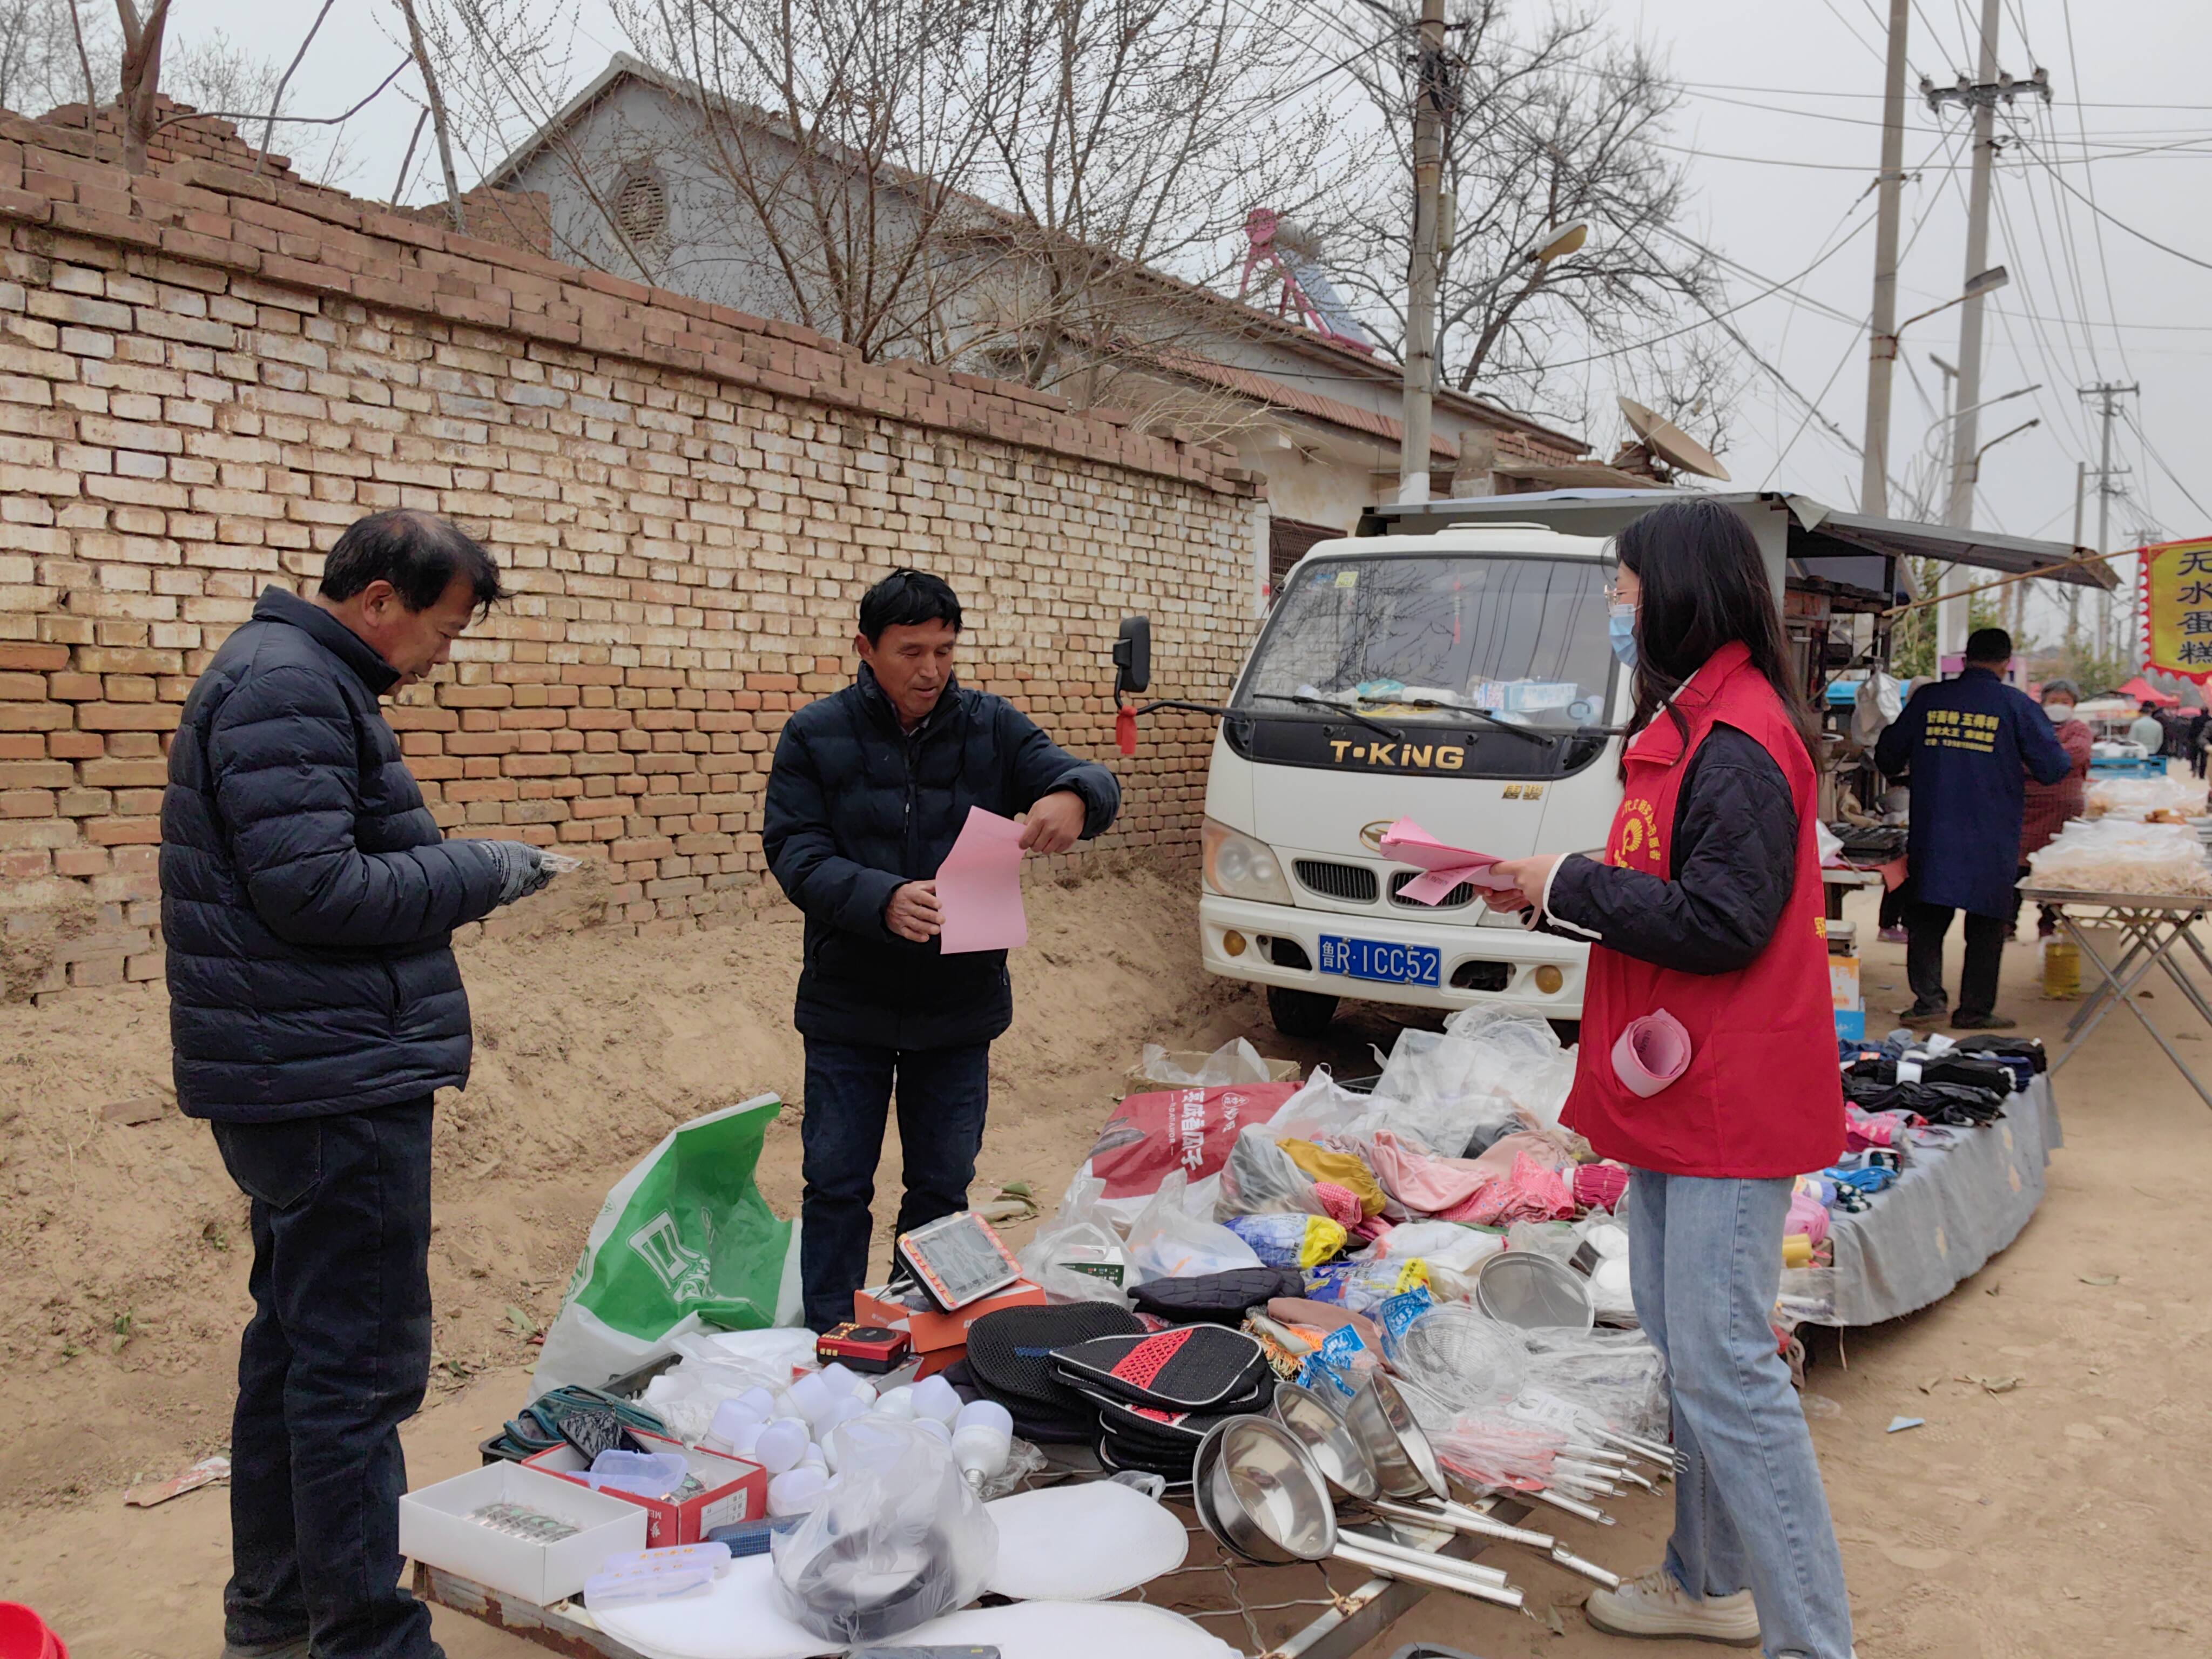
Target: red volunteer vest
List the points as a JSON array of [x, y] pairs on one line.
[[1762, 1098]]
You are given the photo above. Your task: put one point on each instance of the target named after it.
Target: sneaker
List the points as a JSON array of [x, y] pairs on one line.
[[1655, 1606], [1923, 1014], [1963, 1021]]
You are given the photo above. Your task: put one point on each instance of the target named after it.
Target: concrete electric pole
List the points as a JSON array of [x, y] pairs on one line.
[[1882, 345], [1431, 98], [1983, 93], [2109, 395]]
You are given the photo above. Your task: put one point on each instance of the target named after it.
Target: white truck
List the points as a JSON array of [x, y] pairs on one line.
[[1461, 679]]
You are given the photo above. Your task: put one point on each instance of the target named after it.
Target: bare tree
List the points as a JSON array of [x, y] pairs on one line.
[[140, 76], [434, 101], [39, 64], [1559, 125], [1131, 136]]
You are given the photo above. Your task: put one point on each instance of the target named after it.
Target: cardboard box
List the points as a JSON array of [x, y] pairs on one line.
[[1843, 982], [733, 1490], [434, 1527], [930, 1330], [1850, 1024]]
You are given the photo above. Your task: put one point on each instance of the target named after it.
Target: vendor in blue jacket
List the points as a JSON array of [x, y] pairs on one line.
[[869, 791], [1970, 743]]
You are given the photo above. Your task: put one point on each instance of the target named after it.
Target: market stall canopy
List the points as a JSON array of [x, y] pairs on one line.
[[2142, 691], [1847, 549]]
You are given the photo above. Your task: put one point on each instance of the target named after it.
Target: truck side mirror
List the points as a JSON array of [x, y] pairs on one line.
[[1132, 656]]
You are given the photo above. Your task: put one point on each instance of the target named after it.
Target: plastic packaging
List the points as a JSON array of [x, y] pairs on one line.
[[1290, 1241], [1364, 1286], [2168, 798], [898, 1537], [664, 1575], [1617, 1374], [2112, 856], [1463, 1357], [1260, 1179], [1339, 1366], [1153, 1136], [642, 1474], [1235, 1061], [1167, 1242], [1079, 1255], [1320, 1111]]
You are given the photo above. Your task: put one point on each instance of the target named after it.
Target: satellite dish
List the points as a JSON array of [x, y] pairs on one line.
[[1670, 443]]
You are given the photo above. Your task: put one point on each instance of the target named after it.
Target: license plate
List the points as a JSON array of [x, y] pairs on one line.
[[1370, 958]]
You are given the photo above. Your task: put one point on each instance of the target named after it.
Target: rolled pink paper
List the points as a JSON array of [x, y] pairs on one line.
[[1651, 1053]]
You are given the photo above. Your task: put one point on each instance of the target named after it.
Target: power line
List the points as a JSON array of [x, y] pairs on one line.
[[2143, 437]]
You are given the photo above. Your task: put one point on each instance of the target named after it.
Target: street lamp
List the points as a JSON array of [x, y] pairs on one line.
[[1557, 243], [1981, 282]]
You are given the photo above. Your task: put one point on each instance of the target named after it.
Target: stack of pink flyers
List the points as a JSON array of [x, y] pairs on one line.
[[1446, 866]]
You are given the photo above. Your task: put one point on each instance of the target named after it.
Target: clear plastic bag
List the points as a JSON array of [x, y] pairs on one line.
[[1078, 1255], [2111, 855], [1260, 1179], [898, 1537], [1463, 1357], [1167, 1241], [1616, 1374], [1321, 1111], [1237, 1062]]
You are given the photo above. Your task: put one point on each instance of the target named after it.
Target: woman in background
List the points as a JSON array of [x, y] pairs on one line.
[[2048, 806]]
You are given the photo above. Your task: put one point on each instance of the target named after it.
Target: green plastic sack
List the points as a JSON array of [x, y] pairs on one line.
[[683, 1242]]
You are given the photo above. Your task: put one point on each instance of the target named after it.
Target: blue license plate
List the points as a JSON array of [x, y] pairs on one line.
[[1369, 958]]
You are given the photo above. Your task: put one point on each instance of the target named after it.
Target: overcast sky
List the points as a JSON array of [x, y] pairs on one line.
[[1782, 122]]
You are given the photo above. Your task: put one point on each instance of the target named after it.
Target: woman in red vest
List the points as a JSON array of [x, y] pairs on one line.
[[1707, 907]]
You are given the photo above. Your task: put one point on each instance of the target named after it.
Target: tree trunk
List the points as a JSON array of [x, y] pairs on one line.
[[141, 78], [437, 114]]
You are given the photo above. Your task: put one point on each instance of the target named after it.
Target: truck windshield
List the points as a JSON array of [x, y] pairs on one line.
[[1403, 640]]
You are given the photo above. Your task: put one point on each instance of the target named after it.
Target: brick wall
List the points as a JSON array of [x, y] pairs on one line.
[[204, 376]]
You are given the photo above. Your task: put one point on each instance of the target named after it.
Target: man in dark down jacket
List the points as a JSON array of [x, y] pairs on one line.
[[870, 790], [306, 901]]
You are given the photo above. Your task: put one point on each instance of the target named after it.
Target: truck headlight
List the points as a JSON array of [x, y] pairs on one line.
[[1238, 866]]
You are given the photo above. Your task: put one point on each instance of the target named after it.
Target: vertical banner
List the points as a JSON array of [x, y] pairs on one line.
[[2177, 590]]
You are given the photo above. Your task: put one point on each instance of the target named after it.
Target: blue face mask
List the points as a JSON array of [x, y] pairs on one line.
[[1620, 632]]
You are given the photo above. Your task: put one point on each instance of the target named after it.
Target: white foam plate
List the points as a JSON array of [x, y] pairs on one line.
[[1083, 1542], [1074, 1629]]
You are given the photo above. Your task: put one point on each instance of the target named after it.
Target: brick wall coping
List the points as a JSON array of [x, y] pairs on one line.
[[202, 212]]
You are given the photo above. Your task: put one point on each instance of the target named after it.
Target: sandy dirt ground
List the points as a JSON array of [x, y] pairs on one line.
[[2060, 1514]]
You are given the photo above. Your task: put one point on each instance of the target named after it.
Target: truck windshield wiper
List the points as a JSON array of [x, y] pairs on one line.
[[1345, 710], [1534, 736]]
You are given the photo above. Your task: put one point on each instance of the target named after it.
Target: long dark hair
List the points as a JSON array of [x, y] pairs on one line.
[[1704, 586]]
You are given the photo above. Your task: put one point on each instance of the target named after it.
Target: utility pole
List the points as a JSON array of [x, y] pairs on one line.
[[2072, 591], [1881, 344], [2109, 395], [1982, 92], [1431, 97]]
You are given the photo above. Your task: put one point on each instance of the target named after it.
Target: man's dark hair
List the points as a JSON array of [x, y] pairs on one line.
[[1987, 646], [907, 599], [418, 553]]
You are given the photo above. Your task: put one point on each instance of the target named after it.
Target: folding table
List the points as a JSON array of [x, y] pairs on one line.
[[2153, 927]]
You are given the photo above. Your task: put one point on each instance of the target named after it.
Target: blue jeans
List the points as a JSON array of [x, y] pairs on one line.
[[336, 1357], [1705, 1258], [942, 1096]]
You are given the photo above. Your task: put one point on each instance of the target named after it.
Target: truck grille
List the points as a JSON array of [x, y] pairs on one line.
[[1352, 883], [1460, 895]]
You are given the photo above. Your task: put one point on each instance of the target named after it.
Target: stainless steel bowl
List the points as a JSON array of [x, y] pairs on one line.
[[1329, 1441], [1530, 1289], [1380, 1421], [1259, 1494]]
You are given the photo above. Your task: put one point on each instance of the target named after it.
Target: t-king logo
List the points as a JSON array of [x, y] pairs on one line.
[[1399, 756]]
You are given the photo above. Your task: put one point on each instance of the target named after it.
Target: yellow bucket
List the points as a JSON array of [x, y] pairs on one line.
[[2062, 969]]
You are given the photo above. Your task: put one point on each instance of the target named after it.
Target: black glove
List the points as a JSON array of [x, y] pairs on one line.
[[521, 867]]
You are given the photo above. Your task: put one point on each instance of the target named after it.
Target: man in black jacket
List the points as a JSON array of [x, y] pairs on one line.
[[307, 904], [870, 789]]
